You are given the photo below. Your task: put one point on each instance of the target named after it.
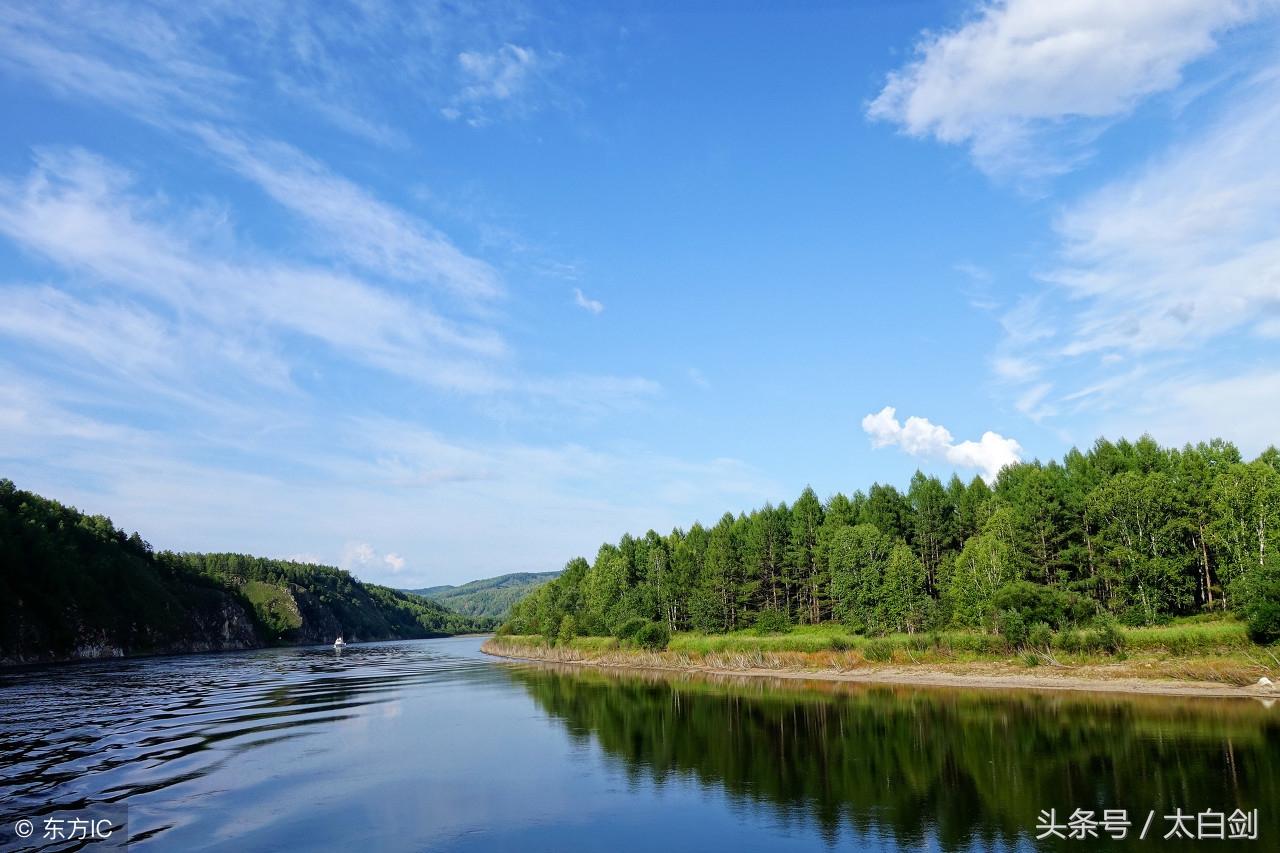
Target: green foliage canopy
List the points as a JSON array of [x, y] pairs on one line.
[[1124, 530]]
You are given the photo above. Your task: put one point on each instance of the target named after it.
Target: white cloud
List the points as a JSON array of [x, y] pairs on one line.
[[1187, 249], [358, 226], [1032, 401], [918, 438], [582, 301], [990, 454], [883, 427], [332, 62], [921, 438], [1018, 67], [357, 555], [366, 562], [500, 75], [161, 346], [84, 214], [504, 78], [1013, 369], [188, 293], [1168, 273], [141, 61]]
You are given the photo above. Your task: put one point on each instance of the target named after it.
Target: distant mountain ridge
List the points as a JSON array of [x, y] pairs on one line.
[[488, 597]]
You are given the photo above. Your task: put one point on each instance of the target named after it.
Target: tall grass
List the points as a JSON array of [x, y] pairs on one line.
[[1190, 638], [1197, 642]]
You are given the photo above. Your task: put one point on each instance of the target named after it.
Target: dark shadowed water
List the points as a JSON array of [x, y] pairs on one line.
[[429, 745]]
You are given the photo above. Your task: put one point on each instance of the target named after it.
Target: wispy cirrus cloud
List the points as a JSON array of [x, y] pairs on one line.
[[144, 62], [169, 358], [350, 220], [1155, 270], [86, 215], [591, 306], [334, 61], [155, 269], [1186, 249], [1007, 81], [498, 81]]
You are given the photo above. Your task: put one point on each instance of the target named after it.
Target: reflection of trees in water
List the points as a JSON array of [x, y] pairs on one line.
[[968, 766]]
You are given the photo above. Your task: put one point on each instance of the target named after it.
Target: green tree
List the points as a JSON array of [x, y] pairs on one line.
[[1143, 538], [568, 630], [858, 558], [603, 588], [888, 510], [904, 600], [1246, 509], [804, 570], [931, 523], [983, 567], [715, 598], [1260, 590]]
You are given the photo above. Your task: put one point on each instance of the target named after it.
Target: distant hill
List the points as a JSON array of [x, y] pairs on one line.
[[490, 597], [74, 586]]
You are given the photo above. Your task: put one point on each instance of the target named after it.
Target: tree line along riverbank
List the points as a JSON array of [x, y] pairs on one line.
[[1114, 553]]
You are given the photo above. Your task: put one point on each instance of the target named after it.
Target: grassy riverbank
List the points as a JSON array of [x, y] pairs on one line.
[[1190, 656]]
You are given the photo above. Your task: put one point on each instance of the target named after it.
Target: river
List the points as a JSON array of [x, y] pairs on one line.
[[431, 745]]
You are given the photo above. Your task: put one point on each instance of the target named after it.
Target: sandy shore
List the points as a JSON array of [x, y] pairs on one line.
[[992, 676]]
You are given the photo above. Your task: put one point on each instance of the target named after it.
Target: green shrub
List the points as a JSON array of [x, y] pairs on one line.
[[1071, 642], [879, 651], [630, 627], [1039, 636], [772, 622], [653, 636], [1013, 628], [568, 630], [919, 643], [856, 624], [839, 644], [1057, 608], [1262, 605], [1105, 637]]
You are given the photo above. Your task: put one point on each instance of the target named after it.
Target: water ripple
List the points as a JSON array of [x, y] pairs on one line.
[[103, 732]]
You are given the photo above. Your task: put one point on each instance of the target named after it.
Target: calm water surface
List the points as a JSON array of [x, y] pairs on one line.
[[430, 745]]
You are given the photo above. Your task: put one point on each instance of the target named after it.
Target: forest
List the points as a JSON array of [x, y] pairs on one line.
[[492, 597], [1127, 532], [74, 585]]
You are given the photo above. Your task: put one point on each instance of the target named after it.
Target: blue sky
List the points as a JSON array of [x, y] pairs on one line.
[[444, 293]]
